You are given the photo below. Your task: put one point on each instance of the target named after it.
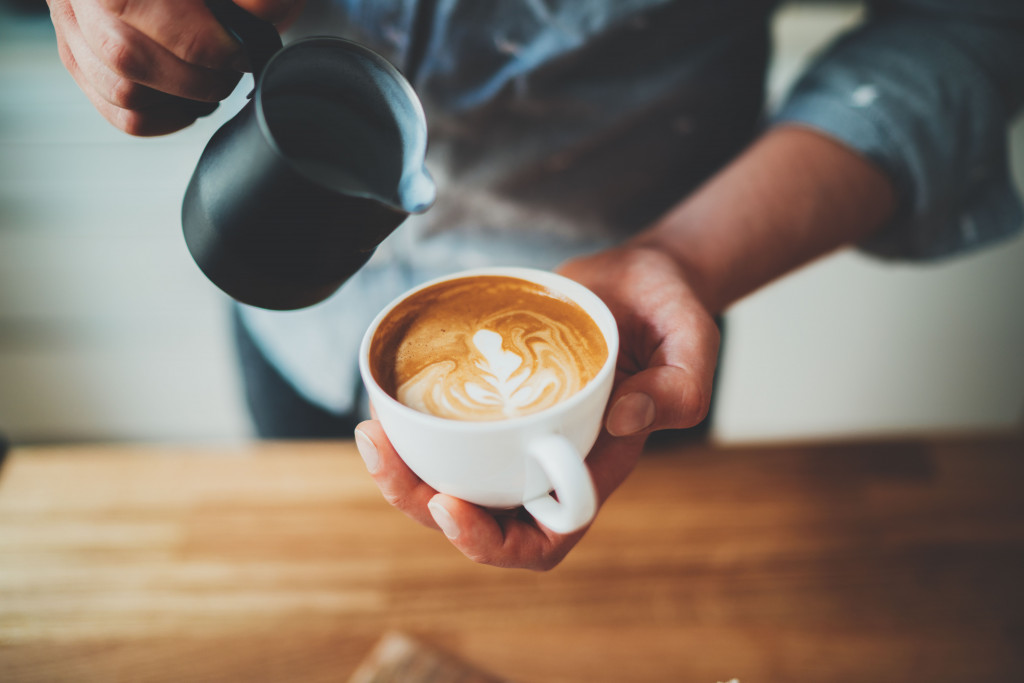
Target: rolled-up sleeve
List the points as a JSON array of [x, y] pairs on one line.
[[927, 90]]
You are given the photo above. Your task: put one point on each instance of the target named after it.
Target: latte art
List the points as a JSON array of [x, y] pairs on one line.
[[535, 373], [486, 348]]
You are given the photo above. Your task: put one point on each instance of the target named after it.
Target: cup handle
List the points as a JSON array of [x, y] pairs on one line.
[[259, 38], [577, 500]]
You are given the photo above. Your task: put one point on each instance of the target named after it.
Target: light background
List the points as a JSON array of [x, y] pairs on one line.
[[109, 332]]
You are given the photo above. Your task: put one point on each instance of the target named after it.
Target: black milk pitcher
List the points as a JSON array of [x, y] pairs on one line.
[[292, 195]]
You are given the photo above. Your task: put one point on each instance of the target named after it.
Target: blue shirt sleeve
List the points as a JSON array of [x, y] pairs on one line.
[[927, 90]]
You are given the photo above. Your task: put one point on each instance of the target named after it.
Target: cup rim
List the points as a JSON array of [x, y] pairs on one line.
[[592, 304]]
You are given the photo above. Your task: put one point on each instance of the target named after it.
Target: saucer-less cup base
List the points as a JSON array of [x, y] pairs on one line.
[[514, 462]]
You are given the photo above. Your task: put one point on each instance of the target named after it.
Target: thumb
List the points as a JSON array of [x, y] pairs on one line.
[[662, 397]]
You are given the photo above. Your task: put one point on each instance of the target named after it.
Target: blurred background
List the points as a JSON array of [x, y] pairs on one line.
[[109, 332]]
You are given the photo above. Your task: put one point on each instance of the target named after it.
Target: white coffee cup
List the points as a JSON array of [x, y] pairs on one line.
[[512, 462]]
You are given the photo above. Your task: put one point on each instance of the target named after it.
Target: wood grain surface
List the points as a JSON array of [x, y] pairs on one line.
[[281, 562]]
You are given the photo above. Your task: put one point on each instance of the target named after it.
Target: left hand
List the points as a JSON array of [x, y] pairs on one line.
[[667, 356]]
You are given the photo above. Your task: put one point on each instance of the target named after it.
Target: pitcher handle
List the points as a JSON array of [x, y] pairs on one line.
[[258, 38]]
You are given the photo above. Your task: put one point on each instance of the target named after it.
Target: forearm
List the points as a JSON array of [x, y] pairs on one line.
[[793, 196]]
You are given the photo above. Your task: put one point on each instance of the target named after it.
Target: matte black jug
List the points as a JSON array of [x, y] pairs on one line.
[[292, 195]]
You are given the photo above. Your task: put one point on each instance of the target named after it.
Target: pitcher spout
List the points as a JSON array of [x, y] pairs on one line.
[[417, 191]]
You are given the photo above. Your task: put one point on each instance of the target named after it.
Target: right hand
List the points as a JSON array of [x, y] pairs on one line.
[[152, 67]]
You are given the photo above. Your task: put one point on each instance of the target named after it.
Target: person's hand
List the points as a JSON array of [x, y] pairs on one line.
[[668, 351], [152, 67]]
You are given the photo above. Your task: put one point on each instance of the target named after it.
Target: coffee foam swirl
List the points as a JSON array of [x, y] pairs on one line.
[[486, 348]]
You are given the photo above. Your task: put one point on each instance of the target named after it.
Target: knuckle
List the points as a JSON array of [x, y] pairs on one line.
[[481, 557], [126, 94], [113, 7], [120, 53], [546, 564], [193, 47], [62, 14], [394, 499], [696, 404], [132, 122]]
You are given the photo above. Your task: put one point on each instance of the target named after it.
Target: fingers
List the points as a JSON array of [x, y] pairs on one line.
[[183, 29], [507, 541], [148, 66], [399, 485], [133, 108], [109, 42], [668, 341], [514, 539], [674, 391], [501, 539]]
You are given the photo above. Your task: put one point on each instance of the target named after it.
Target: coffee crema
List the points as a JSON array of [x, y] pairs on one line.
[[486, 347]]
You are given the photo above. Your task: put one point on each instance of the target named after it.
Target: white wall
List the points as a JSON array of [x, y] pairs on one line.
[[108, 331]]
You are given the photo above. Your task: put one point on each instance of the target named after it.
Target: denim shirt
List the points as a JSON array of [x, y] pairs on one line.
[[560, 127]]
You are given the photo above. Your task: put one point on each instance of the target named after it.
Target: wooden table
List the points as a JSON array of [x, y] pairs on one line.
[[280, 562]]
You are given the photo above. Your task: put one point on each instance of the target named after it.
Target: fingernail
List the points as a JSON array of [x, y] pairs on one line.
[[444, 519], [368, 451], [631, 414]]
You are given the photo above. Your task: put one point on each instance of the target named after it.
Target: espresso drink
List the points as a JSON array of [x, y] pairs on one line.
[[486, 348]]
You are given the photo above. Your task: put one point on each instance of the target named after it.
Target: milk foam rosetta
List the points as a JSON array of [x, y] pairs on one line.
[[486, 348]]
